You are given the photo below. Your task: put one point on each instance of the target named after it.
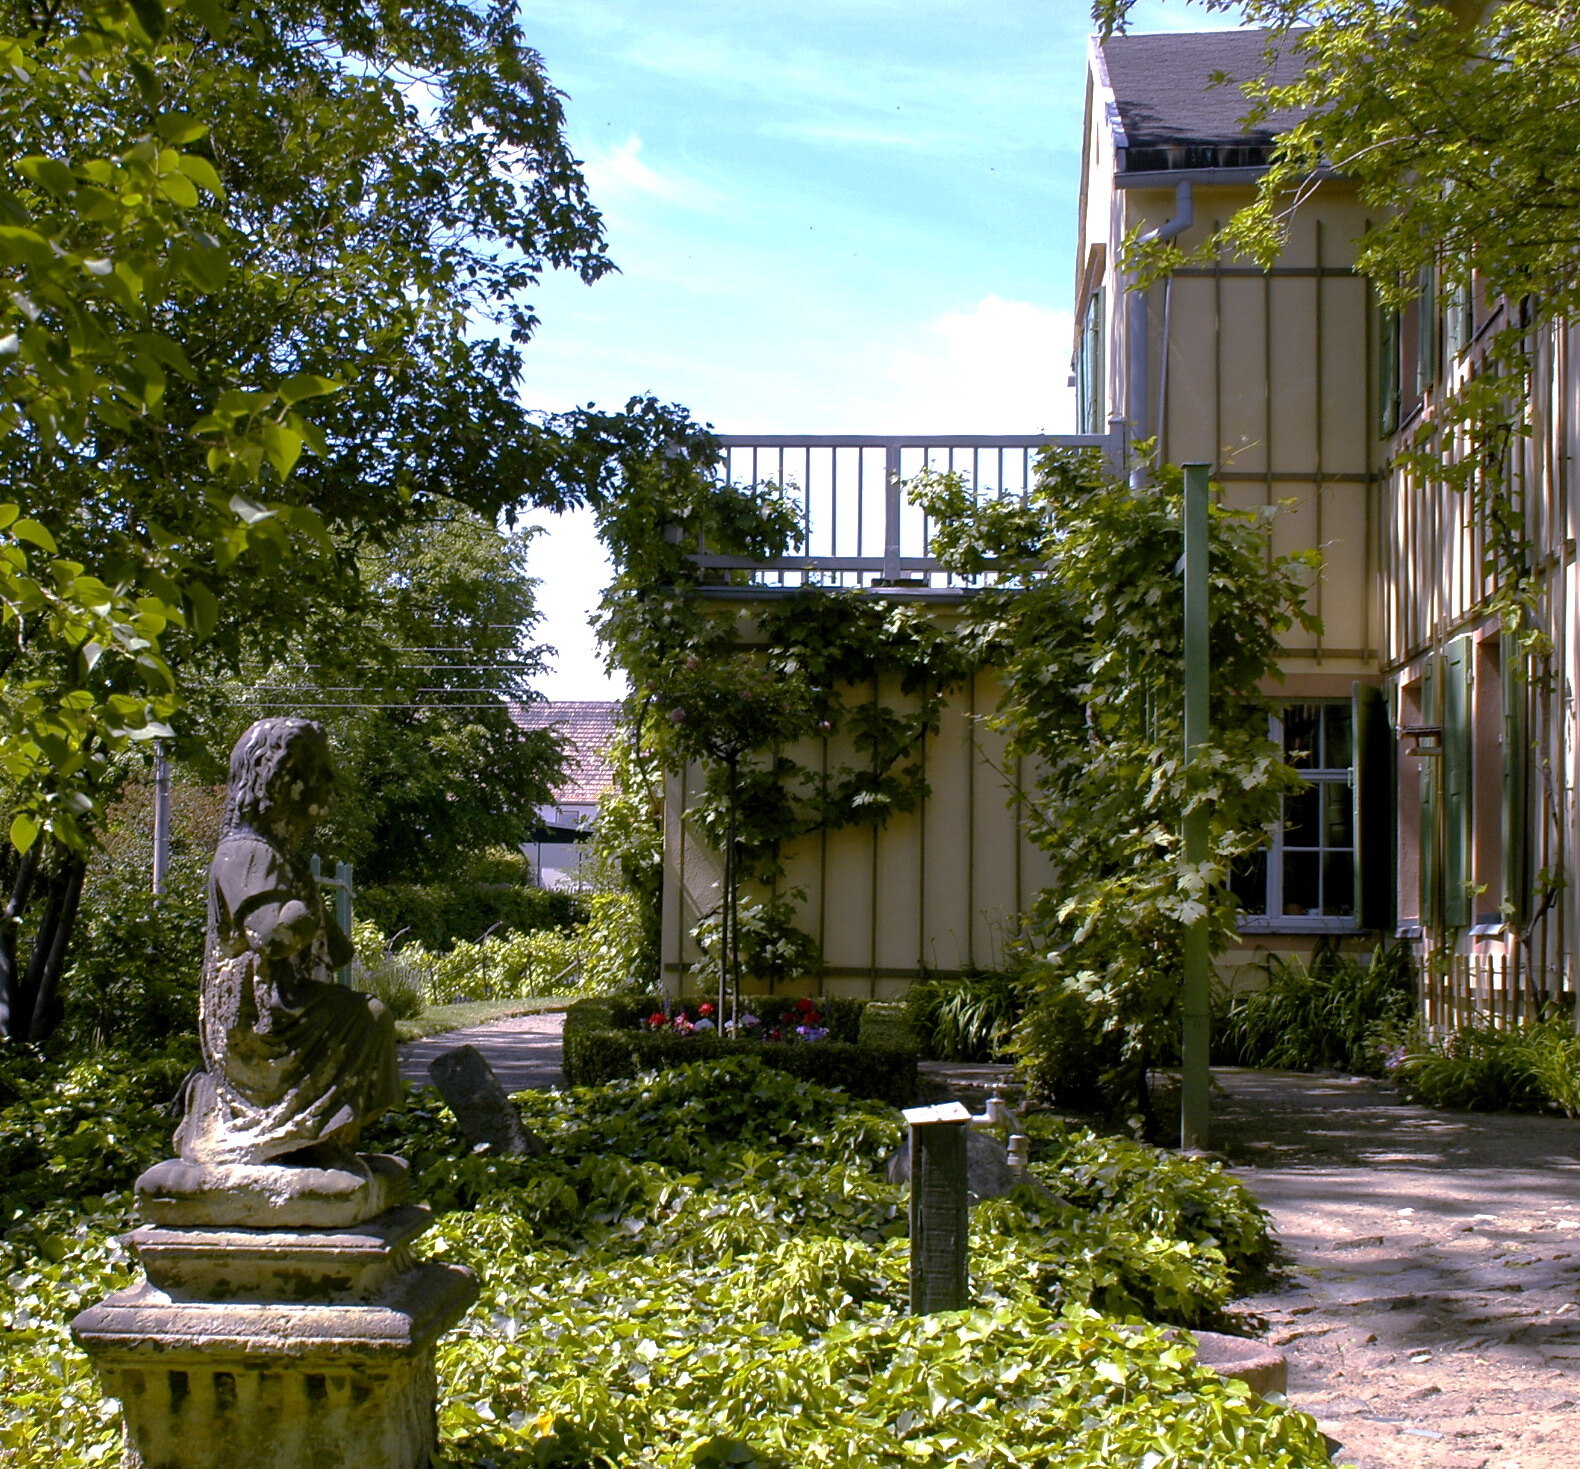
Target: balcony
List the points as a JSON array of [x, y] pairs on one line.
[[859, 529]]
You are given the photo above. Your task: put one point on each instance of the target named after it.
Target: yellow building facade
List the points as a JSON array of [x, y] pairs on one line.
[[1440, 759]]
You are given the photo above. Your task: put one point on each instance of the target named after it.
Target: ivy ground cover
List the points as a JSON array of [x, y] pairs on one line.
[[707, 1267]]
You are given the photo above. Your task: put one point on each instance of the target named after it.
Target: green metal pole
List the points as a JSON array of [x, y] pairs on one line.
[[1196, 999]]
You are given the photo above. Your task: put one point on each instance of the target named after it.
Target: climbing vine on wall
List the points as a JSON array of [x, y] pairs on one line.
[[731, 681], [1086, 630]]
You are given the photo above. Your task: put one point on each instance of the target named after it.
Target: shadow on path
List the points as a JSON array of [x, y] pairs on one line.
[[1429, 1311]]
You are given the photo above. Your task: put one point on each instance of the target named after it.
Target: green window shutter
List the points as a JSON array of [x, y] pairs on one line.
[[1375, 811], [1516, 783], [1427, 334], [1457, 794], [1430, 768], [1387, 372]]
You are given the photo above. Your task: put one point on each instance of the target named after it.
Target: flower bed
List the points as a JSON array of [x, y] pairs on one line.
[[611, 1037]]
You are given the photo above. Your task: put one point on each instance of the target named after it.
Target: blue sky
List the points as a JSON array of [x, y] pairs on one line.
[[830, 216]]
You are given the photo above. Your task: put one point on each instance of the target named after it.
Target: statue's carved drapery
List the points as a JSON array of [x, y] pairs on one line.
[[294, 1064]]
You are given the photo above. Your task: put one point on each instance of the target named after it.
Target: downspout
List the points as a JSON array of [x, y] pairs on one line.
[[1136, 352]]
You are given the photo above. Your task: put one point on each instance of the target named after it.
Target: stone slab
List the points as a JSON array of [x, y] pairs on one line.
[[271, 1196], [1261, 1368], [348, 1265], [485, 1112], [144, 1324], [988, 1174]]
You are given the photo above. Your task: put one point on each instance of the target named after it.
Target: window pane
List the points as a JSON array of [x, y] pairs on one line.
[[1303, 818], [1338, 814], [1337, 720], [1248, 882], [1301, 876], [1302, 731], [1338, 884]]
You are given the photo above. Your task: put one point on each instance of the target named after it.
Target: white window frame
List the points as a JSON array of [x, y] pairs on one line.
[[1274, 883]]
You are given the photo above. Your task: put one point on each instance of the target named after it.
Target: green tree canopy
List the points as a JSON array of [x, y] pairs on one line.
[[1087, 625], [215, 217], [414, 678]]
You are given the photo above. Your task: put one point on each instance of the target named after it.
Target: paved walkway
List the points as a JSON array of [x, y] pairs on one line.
[[1430, 1306], [524, 1051]]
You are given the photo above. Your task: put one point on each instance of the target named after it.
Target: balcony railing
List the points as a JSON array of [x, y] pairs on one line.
[[859, 529]]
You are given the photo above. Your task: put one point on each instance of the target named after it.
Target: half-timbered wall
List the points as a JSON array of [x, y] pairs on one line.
[[1495, 922], [936, 889]]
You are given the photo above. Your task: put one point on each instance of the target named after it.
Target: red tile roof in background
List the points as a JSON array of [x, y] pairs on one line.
[[586, 726]]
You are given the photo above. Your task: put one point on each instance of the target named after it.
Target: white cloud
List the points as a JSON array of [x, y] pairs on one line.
[[573, 571], [996, 367], [617, 173]]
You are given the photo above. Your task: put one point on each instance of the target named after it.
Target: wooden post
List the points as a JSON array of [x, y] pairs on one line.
[[940, 1227], [342, 888]]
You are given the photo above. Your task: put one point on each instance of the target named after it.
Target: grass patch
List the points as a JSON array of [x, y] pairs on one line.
[[437, 1019]]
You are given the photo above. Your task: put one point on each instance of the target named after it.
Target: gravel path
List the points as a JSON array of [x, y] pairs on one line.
[[1431, 1309], [524, 1051]]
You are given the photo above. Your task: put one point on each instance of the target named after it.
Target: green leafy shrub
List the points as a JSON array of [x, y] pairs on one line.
[[438, 915], [773, 950], [81, 1129], [605, 1039], [1489, 1068], [971, 1016], [1553, 1054], [1081, 1061], [1330, 1013], [398, 984], [707, 1266], [1153, 1190], [886, 1022], [133, 976]]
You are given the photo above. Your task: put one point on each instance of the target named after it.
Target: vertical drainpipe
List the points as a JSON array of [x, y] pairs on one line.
[[1136, 354]]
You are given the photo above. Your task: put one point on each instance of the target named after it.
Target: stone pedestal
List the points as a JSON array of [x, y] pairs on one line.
[[274, 1346]]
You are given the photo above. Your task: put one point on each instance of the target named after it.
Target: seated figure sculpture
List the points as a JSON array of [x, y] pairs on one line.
[[282, 1321], [295, 1065]]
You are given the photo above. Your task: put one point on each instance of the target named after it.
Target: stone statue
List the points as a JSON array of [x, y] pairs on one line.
[[283, 1321], [295, 1064]]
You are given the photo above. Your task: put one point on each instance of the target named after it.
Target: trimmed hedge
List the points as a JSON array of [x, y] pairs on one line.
[[605, 1041], [438, 914]]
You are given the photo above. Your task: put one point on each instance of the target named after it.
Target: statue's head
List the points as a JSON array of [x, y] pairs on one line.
[[281, 775]]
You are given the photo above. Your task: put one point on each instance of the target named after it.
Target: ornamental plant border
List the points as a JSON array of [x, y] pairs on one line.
[[605, 1041]]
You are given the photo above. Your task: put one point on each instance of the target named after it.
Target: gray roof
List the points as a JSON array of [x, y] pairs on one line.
[[586, 728], [1172, 114]]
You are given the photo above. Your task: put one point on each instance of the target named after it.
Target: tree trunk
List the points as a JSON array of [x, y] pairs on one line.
[[16, 1011], [48, 1007]]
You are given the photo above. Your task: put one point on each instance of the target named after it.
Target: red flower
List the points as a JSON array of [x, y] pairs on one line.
[[656, 1020], [813, 1018], [705, 1008], [803, 1005]]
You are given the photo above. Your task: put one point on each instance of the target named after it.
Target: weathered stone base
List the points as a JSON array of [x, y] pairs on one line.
[[256, 1345], [228, 1385], [272, 1195]]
